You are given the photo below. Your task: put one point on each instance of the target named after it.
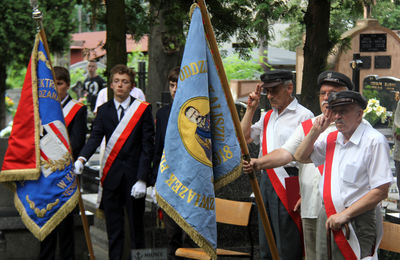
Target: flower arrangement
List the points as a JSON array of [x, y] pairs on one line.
[[375, 112], [10, 105]]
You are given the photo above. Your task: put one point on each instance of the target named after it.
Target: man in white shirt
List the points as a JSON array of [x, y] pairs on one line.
[[356, 176], [271, 132], [309, 175]]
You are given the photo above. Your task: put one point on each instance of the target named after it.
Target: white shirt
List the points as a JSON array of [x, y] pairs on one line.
[[362, 163], [102, 96], [125, 104], [283, 125], [396, 149], [309, 175]]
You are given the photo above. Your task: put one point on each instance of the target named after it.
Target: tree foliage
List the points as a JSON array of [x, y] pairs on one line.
[[387, 13], [17, 34]]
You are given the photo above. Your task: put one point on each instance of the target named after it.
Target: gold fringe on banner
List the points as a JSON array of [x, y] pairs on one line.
[[54, 221], [194, 235], [192, 7], [228, 178]]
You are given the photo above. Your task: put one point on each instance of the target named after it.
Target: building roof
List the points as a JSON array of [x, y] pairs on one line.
[[92, 43]]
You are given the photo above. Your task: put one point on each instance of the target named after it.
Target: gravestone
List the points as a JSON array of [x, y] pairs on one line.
[[383, 89]]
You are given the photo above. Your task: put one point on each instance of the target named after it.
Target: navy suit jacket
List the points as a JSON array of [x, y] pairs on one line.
[[162, 117], [77, 130], [134, 158]]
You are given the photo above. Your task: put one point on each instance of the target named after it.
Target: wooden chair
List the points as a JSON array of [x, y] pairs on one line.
[[228, 212], [391, 237]]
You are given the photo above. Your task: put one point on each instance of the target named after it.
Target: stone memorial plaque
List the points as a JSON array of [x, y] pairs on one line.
[[373, 42], [383, 89], [383, 62], [149, 254], [366, 62]]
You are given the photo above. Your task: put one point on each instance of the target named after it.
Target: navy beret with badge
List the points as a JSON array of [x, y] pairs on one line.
[[346, 97], [335, 79], [275, 78]]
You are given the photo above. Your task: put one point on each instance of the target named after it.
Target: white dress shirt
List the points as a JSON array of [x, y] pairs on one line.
[[102, 96], [283, 125], [309, 175], [125, 104], [362, 163]]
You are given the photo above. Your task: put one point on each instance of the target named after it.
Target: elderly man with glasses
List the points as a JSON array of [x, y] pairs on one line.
[[271, 132]]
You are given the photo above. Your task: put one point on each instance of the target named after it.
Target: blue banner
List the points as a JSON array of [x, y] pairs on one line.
[[201, 151], [44, 203]]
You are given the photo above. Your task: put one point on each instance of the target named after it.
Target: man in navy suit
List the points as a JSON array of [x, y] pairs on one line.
[[127, 124], [75, 115]]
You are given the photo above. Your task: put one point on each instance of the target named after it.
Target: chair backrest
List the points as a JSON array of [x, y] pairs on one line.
[[391, 237], [232, 212]]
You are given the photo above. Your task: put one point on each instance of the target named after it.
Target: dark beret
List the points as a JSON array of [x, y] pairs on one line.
[[335, 79], [274, 78], [345, 98]]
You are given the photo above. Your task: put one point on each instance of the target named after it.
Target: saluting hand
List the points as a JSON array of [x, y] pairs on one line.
[[254, 97], [321, 123]]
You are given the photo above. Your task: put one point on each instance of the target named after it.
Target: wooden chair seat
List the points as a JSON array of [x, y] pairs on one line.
[[391, 237], [198, 253], [229, 212]]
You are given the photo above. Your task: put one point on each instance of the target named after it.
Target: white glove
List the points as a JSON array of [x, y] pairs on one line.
[[139, 189], [153, 195], [78, 167]]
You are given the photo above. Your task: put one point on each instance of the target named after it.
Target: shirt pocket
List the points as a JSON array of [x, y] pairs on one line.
[[350, 174]]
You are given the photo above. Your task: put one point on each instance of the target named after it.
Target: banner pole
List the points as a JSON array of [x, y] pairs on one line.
[[245, 151], [84, 221]]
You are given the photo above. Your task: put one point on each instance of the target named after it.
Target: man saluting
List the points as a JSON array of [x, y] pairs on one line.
[[356, 176]]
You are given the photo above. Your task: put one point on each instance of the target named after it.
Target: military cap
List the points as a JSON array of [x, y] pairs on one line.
[[335, 79], [345, 98], [275, 78]]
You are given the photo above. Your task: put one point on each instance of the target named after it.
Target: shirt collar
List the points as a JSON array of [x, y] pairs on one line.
[[125, 104], [64, 100], [356, 136], [292, 106]]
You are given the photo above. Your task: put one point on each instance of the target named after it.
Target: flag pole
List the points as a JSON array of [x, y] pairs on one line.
[[245, 151], [84, 221], [37, 16]]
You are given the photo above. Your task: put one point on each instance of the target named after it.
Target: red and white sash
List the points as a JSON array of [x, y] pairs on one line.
[[306, 129], [334, 203], [121, 134], [70, 110], [277, 175]]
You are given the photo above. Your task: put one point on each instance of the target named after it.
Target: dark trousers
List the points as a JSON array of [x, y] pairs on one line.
[[176, 237], [114, 202], [64, 234], [285, 231]]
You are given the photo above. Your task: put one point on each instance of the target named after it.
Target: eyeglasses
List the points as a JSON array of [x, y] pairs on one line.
[[271, 91], [124, 82], [324, 93]]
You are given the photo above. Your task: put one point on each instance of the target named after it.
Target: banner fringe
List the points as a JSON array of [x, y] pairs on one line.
[[230, 177], [15, 175], [41, 233], [194, 235]]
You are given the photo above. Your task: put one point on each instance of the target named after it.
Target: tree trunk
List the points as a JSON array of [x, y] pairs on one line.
[[162, 57], [316, 50], [3, 77], [116, 33]]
